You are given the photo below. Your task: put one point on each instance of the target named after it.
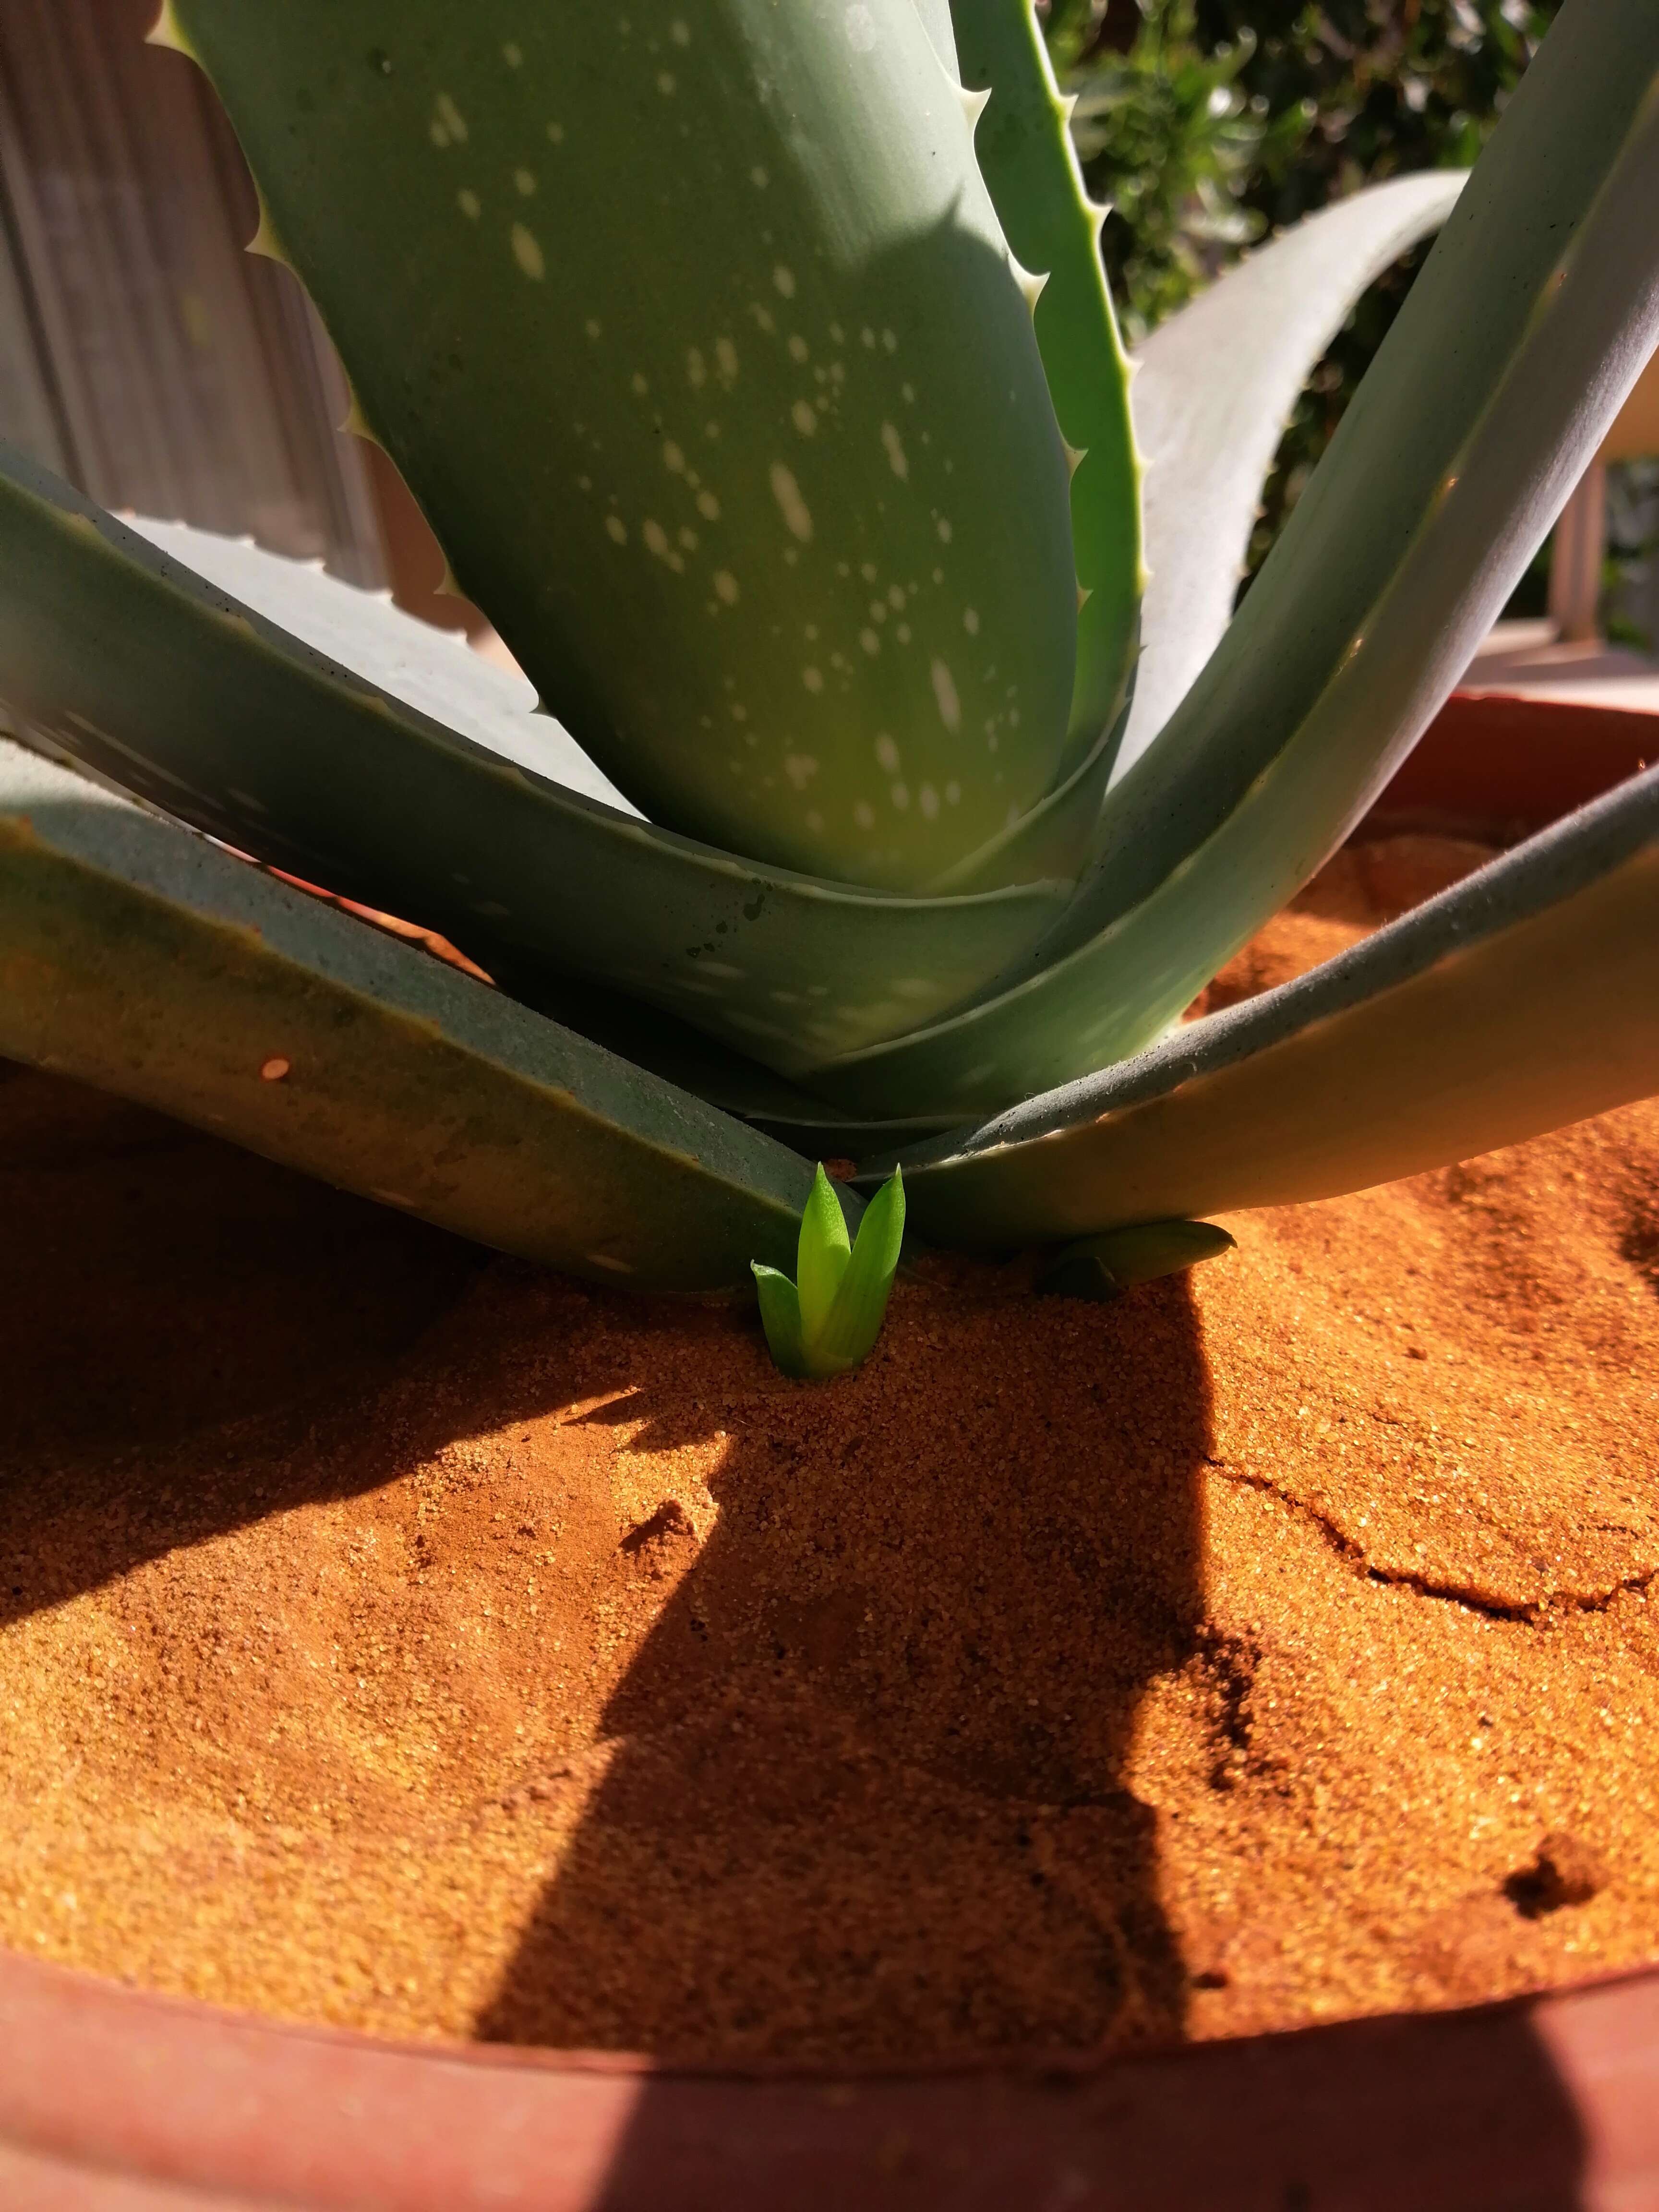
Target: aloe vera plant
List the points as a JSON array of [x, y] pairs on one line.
[[889, 771], [828, 1319]]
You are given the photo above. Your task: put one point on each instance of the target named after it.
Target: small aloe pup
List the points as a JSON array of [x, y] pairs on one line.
[[827, 1321]]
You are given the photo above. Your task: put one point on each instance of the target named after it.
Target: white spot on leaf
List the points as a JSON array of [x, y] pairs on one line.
[[528, 253], [895, 454], [944, 690], [797, 518]]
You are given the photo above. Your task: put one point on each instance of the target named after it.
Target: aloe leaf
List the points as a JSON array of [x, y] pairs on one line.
[[140, 958], [1052, 840], [692, 332], [936, 21], [1025, 153], [1214, 388], [434, 670], [821, 1257], [417, 787], [847, 1334], [1526, 997], [1532, 317], [1101, 1268], [714, 1072], [1534, 313], [780, 1308]]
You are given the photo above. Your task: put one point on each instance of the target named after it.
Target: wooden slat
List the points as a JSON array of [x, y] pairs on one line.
[[188, 376]]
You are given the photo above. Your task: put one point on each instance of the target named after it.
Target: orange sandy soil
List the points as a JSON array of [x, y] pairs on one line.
[[402, 1639]]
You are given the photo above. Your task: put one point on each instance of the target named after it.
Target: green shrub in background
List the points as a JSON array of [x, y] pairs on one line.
[[1209, 123], [1630, 585]]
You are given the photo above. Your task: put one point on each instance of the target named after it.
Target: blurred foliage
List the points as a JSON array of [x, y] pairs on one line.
[[1210, 124], [1631, 581]]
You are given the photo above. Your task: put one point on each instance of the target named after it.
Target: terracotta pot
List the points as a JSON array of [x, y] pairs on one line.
[[111, 2101]]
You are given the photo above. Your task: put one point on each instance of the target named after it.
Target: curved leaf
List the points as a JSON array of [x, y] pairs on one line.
[[1216, 385], [693, 334], [822, 1255], [1051, 841], [1537, 309], [1103, 1267], [780, 1307], [1526, 997], [216, 706], [138, 957], [1030, 165], [936, 21], [847, 1334], [434, 670]]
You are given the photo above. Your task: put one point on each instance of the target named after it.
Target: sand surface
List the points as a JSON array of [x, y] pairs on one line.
[[405, 1639]]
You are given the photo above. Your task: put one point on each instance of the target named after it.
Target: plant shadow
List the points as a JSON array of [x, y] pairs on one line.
[[864, 1791], [157, 1288]]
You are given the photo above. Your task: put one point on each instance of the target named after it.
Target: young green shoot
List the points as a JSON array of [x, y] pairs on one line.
[[827, 1321]]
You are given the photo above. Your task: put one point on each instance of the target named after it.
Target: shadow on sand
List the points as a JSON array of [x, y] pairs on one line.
[[156, 1284], [868, 1789], [867, 1783]]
